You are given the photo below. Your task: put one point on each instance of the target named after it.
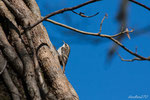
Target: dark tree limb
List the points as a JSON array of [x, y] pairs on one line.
[[10, 53], [9, 83], [140, 4], [3, 63]]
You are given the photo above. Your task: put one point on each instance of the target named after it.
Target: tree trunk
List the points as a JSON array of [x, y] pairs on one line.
[[29, 64]]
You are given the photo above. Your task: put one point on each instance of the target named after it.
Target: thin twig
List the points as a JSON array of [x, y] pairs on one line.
[[130, 60], [60, 11], [102, 23], [140, 4], [82, 14], [122, 33]]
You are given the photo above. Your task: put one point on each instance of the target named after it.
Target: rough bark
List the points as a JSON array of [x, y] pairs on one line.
[[38, 74]]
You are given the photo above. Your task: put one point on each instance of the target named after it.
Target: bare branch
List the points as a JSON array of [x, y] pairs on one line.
[[60, 11], [100, 35], [82, 14], [84, 32], [140, 4]]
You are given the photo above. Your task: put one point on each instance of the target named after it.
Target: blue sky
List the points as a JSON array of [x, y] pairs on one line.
[[87, 70]]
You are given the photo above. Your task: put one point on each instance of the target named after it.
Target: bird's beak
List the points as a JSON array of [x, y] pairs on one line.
[[64, 42]]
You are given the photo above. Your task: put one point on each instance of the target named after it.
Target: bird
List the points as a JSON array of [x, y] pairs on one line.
[[63, 54]]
